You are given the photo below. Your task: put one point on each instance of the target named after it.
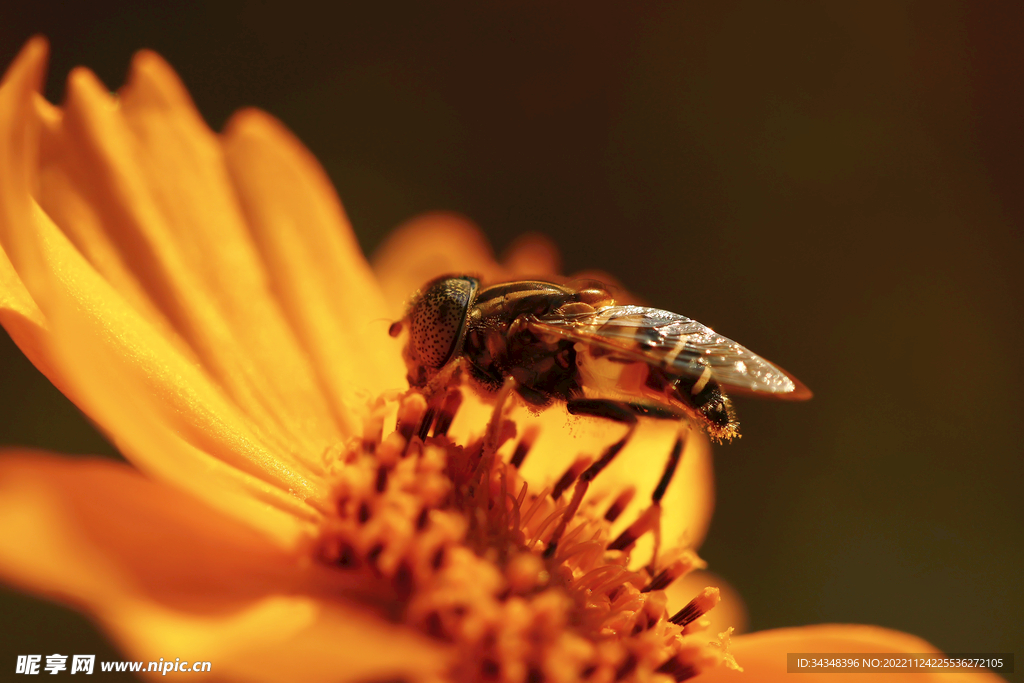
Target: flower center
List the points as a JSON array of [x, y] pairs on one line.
[[527, 585]]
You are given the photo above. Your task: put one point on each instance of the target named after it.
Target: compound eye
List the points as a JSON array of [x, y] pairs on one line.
[[438, 319]]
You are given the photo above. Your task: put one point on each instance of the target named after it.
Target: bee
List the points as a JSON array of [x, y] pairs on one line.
[[573, 343]]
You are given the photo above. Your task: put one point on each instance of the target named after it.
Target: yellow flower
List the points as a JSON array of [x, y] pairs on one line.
[[293, 516]]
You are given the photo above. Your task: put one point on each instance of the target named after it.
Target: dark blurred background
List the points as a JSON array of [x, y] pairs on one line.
[[836, 185]]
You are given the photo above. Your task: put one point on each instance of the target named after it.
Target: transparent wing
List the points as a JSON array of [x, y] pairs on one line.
[[675, 343]]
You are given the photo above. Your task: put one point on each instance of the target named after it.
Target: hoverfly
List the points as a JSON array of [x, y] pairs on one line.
[[573, 343]]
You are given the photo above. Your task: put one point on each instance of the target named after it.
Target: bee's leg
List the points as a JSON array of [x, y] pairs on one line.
[[616, 411], [650, 519], [609, 410], [655, 412]]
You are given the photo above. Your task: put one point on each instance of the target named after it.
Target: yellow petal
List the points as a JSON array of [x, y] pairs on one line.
[[731, 612], [163, 413], [140, 187], [157, 407], [532, 255], [313, 261], [170, 577], [139, 183], [97, 530], [124, 364], [19, 133], [283, 639], [763, 655], [21, 317]]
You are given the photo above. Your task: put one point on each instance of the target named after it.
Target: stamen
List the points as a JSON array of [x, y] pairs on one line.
[[525, 572], [434, 627], [410, 415], [627, 667], [569, 476], [373, 426], [679, 668], [490, 669], [590, 581], [453, 542], [524, 445], [391, 450], [426, 423], [609, 454], [621, 501], [583, 484], [373, 555], [670, 468], [492, 438], [697, 607], [339, 554], [403, 582], [673, 571], [347, 557], [452, 402], [548, 521], [438, 560], [615, 581], [590, 552], [536, 505], [641, 526]]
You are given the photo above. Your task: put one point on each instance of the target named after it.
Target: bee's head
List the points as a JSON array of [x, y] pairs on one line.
[[437, 318]]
